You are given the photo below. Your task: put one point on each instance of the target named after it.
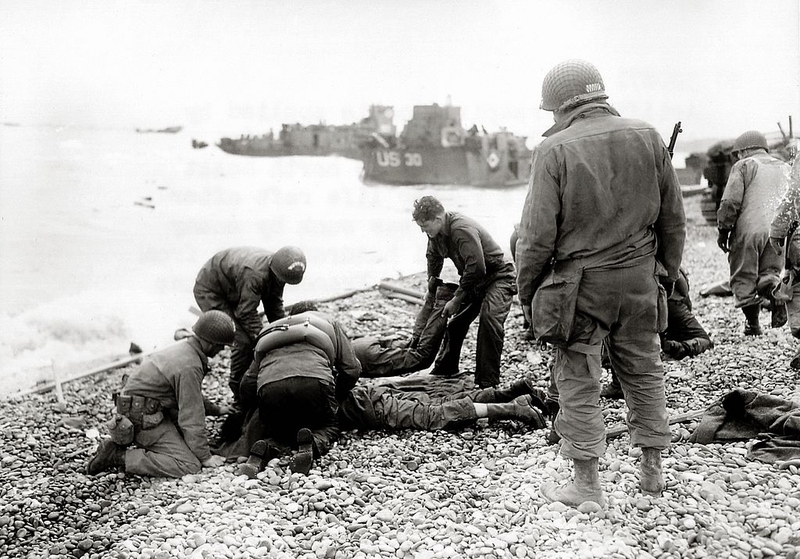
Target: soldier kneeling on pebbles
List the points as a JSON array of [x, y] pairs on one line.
[[161, 408]]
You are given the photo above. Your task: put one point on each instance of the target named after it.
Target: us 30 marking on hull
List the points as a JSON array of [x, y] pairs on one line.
[[397, 159]]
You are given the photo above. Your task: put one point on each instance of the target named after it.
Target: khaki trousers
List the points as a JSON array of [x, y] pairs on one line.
[[618, 306]]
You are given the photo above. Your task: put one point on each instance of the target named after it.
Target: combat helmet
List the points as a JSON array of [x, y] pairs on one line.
[[571, 83], [748, 140], [215, 326], [289, 264]]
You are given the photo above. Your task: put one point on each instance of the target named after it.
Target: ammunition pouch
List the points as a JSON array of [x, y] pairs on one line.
[[120, 429], [143, 412], [554, 304]]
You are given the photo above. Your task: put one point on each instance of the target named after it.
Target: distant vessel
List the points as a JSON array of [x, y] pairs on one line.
[[434, 148], [317, 139], [168, 130]]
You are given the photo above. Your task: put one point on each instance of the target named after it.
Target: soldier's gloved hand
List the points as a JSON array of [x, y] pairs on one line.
[[214, 462], [777, 244], [723, 239]]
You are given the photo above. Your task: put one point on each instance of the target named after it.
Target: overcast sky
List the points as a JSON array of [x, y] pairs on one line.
[[720, 66]]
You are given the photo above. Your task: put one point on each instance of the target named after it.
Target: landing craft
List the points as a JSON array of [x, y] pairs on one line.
[[434, 148], [344, 140]]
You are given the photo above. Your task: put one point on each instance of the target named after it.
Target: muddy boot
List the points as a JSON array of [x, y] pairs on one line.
[[303, 459], [522, 409], [109, 455], [260, 453], [651, 480], [585, 487], [516, 389], [752, 327], [795, 362], [779, 314]]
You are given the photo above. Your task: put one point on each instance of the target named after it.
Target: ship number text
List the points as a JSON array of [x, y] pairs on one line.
[[396, 159]]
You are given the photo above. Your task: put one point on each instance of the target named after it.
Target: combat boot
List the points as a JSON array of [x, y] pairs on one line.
[[522, 409], [795, 362], [779, 314], [109, 455], [585, 487], [751, 327], [651, 480], [303, 459], [260, 453], [518, 388]]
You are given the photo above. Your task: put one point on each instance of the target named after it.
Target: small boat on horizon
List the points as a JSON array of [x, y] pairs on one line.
[[167, 130]]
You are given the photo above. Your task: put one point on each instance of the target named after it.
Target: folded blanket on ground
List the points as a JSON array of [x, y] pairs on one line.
[[744, 414]]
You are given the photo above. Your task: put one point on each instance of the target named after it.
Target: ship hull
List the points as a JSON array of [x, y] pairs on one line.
[[275, 149], [456, 165]]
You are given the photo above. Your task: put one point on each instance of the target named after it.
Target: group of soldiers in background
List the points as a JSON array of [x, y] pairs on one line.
[[597, 269]]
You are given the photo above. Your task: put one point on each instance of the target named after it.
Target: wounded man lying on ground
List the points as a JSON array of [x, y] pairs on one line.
[[383, 358], [420, 402]]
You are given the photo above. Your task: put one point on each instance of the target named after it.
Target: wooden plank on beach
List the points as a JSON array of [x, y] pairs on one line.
[[400, 289], [48, 386]]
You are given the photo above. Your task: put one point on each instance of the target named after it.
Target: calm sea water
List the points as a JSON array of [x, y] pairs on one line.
[[102, 233]]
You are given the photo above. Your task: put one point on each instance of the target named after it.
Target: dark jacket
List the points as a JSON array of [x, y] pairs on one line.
[[477, 257], [304, 359], [242, 276]]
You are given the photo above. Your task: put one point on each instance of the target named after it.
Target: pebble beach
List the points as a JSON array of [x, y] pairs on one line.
[[412, 494]]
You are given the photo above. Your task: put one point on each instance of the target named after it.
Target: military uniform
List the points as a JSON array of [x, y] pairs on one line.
[[486, 289], [236, 281], [381, 359], [300, 384], [178, 444], [754, 190], [603, 190], [786, 218]]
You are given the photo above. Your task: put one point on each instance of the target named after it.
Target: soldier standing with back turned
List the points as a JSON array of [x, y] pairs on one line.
[[603, 221]]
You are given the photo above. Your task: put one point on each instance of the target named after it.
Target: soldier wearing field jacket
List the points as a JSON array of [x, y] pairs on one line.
[[600, 245], [752, 195], [485, 290], [235, 281], [161, 408]]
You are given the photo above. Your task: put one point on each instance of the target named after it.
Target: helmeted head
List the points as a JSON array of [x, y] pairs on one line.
[[289, 264], [752, 139], [571, 83], [215, 327]]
